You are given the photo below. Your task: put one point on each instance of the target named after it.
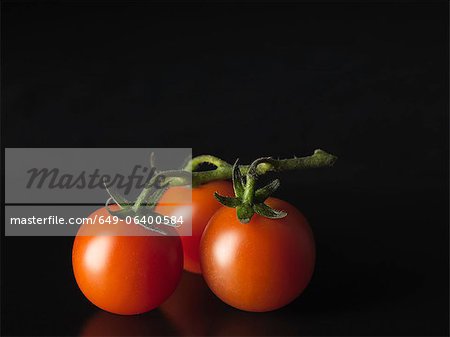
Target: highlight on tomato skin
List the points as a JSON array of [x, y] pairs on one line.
[[259, 266], [204, 205], [125, 274]]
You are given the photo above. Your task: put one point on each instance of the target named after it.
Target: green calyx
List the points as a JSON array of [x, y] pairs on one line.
[[147, 200], [247, 199]]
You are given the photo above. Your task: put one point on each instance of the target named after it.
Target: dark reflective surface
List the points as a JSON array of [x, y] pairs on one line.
[[367, 82], [104, 323], [193, 309]]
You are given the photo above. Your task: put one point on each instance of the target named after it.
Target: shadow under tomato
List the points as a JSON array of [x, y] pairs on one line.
[[103, 323]]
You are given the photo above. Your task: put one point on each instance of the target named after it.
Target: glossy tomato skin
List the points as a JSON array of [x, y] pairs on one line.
[[204, 205], [125, 274], [259, 266]]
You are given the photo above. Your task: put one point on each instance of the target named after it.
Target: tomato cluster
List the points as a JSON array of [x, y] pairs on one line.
[[258, 266], [255, 252]]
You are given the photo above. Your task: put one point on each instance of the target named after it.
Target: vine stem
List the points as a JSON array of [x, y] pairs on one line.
[[195, 162], [318, 159], [224, 170]]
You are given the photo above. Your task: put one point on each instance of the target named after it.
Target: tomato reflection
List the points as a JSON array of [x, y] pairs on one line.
[[193, 309], [276, 323], [103, 323]]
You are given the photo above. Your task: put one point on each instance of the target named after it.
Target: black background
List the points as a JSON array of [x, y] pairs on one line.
[[365, 81]]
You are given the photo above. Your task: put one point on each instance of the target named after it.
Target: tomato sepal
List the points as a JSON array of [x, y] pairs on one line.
[[268, 212], [238, 180], [116, 197], [247, 201], [232, 202], [266, 191], [127, 209]]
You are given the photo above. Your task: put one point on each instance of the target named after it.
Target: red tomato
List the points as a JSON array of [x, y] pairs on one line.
[[259, 266], [204, 205], [125, 274]]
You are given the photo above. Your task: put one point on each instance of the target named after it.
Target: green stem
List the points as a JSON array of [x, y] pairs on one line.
[[195, 162], [320, 158], [245, 211], [251, 177], [224, 170], [172, 178], [249, 191]]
